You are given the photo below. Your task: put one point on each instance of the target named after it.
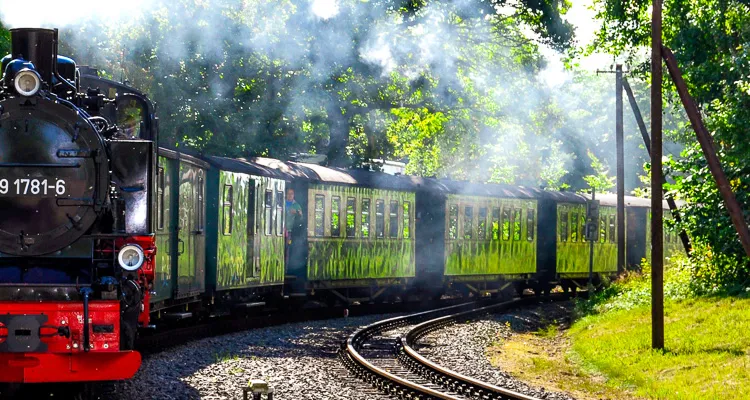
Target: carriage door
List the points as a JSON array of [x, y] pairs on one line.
[[191, 242]]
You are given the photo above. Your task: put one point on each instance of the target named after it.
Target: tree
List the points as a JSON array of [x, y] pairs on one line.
[[709, 40]]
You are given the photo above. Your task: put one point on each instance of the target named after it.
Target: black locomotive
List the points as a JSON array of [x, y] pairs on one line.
[[76, 244]]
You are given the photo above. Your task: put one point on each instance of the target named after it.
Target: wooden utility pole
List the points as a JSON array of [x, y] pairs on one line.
[[620, 172], [647, 142], [620, 151], [657, 228]]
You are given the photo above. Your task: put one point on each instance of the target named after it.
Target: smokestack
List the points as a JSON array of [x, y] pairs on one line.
[[38, 46]]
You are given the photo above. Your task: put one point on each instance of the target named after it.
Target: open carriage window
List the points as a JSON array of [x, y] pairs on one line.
[[365, 227], [336, 216], [407, 221], [350, 216], [320, 214], [226, 213], [453, 222]]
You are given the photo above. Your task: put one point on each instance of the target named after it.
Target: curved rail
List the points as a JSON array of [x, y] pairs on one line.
[[450, 380]]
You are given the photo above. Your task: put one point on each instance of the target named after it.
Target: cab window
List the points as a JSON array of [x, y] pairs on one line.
[[130, 119]]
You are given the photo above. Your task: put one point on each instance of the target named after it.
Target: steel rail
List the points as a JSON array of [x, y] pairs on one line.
[[445, 377], [404, 388]]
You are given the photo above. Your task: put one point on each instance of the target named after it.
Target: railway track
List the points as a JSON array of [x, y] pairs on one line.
[[383, 355]]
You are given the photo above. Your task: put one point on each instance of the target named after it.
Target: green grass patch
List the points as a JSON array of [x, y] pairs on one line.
[[706, 356]]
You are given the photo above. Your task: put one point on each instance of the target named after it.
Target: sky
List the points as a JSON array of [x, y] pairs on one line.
[[582, 17]]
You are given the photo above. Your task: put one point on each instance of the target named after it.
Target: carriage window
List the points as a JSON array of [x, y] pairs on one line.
[[268, 204], [482, 224], [365, 227], [582, 225], [495, 224], [379, 219], [468, 222], [563, 226], [574, 226], [201, 209], [393, 220], [505, 223], [407, 220], [226, 213], [350, 215], [516, 224], [602, 229], [160, 199], [335, 216], [279, 213], [530, 225], [320, 215], [453, 222], [612, 234]]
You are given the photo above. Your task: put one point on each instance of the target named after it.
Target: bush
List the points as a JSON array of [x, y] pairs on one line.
[[633, 289]]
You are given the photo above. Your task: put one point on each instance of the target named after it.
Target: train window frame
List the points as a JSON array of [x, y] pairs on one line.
[[574, 231], [563, 226], [335, 216], [201, 202], [393, 219], [482, 224], [453, 221], [268, 213], [161, 185], [495, 224], [612, 229], [517, 227], [379, 219], [227, 208], [505, 222], [603, 229], [468, 233], [279, 213], [319, 230], [530, 224], [365, 218], [351, 217], [406, 229], [582, 224]]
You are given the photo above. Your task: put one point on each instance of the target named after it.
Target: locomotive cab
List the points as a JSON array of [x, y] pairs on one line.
[[77, 249]]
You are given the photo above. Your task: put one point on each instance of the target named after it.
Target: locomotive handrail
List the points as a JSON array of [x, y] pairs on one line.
[[38, 165]]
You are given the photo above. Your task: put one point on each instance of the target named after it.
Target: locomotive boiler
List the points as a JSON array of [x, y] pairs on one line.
[[76, 242]]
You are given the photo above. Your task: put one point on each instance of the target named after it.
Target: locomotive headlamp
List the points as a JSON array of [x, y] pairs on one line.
[[27, 82], [131, 257]]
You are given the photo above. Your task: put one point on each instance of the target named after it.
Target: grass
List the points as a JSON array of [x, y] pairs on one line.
[[606, 353], [706, 355]]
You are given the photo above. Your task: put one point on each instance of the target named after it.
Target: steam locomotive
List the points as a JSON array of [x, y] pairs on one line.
[[102, 232], [76, 238]]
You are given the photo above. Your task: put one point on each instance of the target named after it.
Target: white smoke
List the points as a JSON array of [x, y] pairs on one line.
[[325, 9], [53, 13]]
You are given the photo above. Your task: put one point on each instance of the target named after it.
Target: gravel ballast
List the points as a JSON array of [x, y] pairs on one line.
[[298, 360], [463, 347]]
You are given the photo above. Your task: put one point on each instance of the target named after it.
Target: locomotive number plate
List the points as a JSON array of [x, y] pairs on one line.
[[32, 187]]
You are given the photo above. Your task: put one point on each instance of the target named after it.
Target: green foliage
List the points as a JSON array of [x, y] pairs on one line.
[[633, 289], [709, 40], [601, 181], [4, 41]]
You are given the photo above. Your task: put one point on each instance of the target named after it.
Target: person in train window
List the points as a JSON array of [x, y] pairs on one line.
[[293, 214]]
